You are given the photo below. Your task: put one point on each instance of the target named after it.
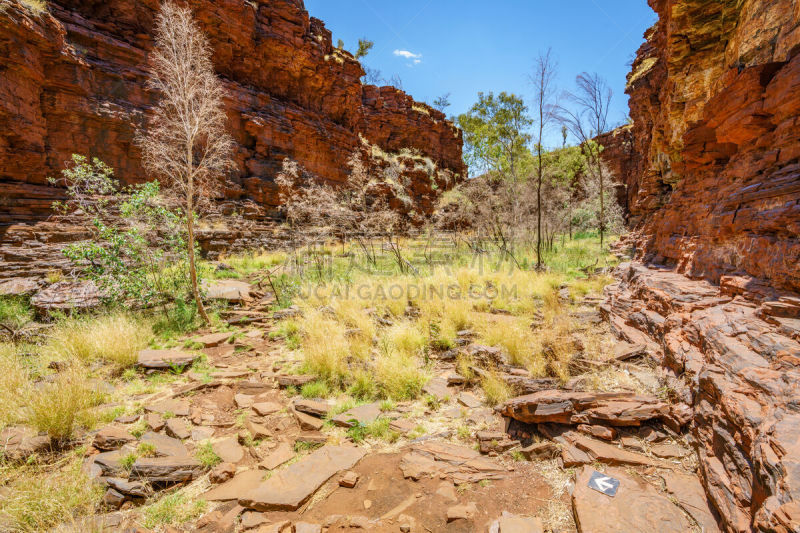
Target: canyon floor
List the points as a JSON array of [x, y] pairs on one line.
[[335, 414]]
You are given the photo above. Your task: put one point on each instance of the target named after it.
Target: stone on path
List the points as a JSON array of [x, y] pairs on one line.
[[242, 483], [202, 433], [154, 421], [349, 479], [165, 446], [316, 408], [447, 491], [228, 450], [213, 339], [164, 359], [468, 400], [611, 454], [226, 289], [178, 428], [509, 523], [306, 527], [637, 507], [222, 473], [111, 438], [459, 463], [308, 422], [462, 512], [403, 425], [363, 414], [174, 469], [288, 489], [266, 408], [437, 387], [291, 380], [277, 457], [174, 407]]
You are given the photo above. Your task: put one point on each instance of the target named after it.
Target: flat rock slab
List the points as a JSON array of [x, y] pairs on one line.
[[637, 507], [308, 422], [213, 339], [469, 400], [461, 464], [228, 450], [165, 446], [166, 469], [572, 407], [162, 359], [291, 380], [178, 428], [19, 442], [509, 523], [241, 483], [266, 408], [111, 438], [316, 408], [176, 407], [277, 457], [437, 387], [226, 289], [288, 489], [611, 454], [363, 414]]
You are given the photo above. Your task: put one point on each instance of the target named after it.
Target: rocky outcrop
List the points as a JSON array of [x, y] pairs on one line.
[[73, 81], [713, 173], [739, 356]]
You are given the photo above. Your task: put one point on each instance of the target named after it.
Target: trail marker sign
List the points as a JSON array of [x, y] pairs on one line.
[[603, 483]]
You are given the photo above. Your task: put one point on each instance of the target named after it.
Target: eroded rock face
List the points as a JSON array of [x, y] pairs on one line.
[[741, 372], [74, 82], [712, 161]]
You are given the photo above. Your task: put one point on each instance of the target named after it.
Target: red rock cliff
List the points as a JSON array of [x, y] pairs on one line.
[[72, 81], [713, 182]]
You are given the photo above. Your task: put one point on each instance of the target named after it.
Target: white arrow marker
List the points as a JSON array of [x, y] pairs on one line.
[[603, 483]]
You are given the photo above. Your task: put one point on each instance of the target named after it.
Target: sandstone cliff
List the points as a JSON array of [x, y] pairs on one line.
[[73, 81], [712, 163]]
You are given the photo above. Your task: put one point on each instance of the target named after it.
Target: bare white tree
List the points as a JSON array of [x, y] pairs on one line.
[[587, 119], [186, 143], [543, 81]]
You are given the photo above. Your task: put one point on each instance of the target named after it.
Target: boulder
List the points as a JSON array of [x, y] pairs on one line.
[[226, 289]]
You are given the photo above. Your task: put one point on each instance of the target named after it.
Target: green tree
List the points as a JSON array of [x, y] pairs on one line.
[[495, 134], [364, 46]]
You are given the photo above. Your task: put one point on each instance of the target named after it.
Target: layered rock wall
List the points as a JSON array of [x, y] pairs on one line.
[[713, 176], [72, 80]]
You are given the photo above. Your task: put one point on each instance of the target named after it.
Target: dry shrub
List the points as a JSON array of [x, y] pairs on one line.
[[13, 384], [399, 377], [325, 347], [37, 499], [497, 391], [115, 338], [58, 407]]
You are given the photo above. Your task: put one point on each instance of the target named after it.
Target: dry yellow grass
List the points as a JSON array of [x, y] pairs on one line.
[[13, 385], [115, 338], [36, 499], [58, 407]]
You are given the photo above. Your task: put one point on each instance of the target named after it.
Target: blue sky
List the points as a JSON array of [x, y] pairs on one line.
[[466, 46]]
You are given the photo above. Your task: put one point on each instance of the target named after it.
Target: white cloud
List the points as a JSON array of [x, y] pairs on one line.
[[409, 55]]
